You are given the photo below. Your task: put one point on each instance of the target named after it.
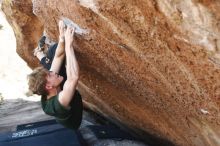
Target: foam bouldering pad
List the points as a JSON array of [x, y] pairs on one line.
[[40, 134]]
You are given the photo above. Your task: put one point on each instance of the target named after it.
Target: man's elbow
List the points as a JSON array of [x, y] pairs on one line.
[[73, 77], [72, 81]]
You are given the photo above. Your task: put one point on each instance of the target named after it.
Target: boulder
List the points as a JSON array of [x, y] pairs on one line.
[[150, 65]]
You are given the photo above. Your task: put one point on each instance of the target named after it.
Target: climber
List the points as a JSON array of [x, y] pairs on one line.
[[62, 101]]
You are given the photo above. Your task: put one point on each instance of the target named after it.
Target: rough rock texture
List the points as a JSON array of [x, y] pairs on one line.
[[152, 65], [26, 26]]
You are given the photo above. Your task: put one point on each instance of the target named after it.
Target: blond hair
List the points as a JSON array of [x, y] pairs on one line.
[[37, 81]]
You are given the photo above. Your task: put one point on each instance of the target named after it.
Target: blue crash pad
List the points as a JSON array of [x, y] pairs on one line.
[[46, 133]]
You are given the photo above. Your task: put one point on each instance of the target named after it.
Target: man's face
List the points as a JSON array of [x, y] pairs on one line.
[[53, 79]]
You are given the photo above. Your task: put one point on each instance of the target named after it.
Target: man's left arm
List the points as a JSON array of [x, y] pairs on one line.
[[72, 70]]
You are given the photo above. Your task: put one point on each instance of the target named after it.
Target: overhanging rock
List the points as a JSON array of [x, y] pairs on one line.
[[152, 65]]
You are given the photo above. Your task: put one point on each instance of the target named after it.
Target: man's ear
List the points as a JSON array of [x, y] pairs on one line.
[[48, 87]]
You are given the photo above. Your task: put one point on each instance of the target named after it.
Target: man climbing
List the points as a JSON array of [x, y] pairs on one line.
[[61, 101]]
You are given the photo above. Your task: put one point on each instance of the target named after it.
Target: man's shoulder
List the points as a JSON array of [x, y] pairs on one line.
[[45, 101]]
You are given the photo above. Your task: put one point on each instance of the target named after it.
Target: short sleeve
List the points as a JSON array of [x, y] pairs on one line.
[[54, 108], [70, 118]]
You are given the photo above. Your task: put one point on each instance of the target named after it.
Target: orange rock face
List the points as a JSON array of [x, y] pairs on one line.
[[152, 65]]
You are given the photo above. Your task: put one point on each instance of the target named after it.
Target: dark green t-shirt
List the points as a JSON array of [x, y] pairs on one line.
[[70, 118]]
